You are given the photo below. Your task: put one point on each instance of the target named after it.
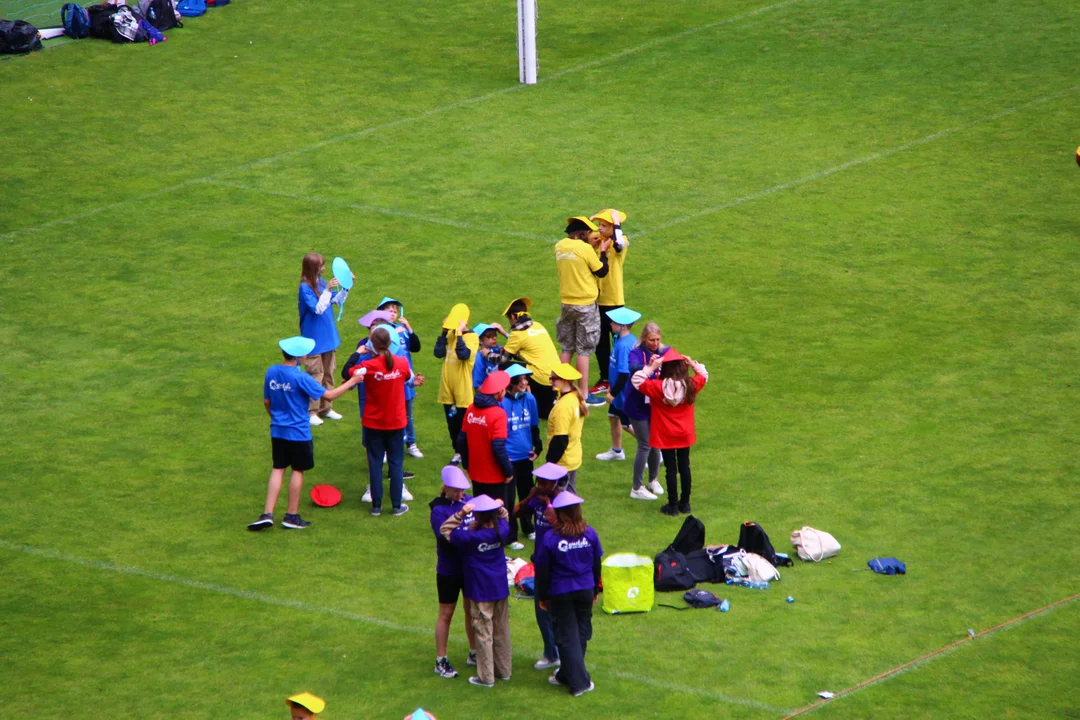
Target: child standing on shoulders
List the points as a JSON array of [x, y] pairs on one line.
[[672, 422], [410, 343], [314, 299], [487, 354], [287, 393], [621, 320]]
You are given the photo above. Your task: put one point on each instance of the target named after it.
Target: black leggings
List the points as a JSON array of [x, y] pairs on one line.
[[545, 398], [523, 479], [453, 422], [677, 459]]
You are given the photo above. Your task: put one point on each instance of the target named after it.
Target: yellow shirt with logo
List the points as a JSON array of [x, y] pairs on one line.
[[566, 419], [611, 285], [535, 347], [455, 384], [576, 261]]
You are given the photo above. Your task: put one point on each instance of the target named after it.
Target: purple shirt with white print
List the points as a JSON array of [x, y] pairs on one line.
[[449, 559], [571, 560], [485, 561]]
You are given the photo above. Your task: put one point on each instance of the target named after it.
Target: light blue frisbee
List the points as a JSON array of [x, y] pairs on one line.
[[624, 316], [342, 273]]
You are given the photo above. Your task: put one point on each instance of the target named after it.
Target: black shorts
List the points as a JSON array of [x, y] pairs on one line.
[[300, 454], [449, 588], [624, 419]]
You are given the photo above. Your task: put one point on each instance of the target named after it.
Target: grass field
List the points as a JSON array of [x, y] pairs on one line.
[[862, 216]]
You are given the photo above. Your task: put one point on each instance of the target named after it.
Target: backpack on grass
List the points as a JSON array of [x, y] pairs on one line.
[[76, 21], [162, 14], [671, 572], [18, 37], [191, 8]]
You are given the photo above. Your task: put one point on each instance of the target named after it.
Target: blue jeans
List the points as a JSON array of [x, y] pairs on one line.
[[392, 443], [543, 621], [410, 431]]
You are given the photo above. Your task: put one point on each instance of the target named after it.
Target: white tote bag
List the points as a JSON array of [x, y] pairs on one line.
[[814, 544]]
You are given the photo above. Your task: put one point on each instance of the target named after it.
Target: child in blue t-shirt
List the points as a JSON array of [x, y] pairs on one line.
[[410, 343], [287, 392], [622, 319], [523, 445], [489, 343]]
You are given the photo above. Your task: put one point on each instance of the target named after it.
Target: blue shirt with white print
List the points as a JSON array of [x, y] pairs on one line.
[[290, 390]]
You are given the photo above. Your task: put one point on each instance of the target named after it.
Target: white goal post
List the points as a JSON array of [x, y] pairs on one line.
[[527, 63]]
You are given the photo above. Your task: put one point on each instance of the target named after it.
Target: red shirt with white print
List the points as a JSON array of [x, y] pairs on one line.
[[384, 394], [481, 426]]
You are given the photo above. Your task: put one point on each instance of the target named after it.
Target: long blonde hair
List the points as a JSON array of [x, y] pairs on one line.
[[584, 408]]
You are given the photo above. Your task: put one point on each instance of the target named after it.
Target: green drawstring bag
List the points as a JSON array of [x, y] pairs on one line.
[[628, 584]]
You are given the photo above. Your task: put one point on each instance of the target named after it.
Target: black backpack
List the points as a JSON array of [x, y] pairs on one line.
[[752, 538], [161, 14], [18, 37], [691, 536], [711, 564], [101, 26], [701, 599], [671, 572]]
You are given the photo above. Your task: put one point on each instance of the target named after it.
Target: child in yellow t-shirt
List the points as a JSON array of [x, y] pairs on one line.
[[455, 382], [609, 224], [565, 422]]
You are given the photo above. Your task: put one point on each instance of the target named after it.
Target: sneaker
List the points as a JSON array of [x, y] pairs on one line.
[[669, 509], [406, 475], [401, 510], [443, 669], [456, 460], [641, 494], [315, 419], [579, 693], [655, 487], [530, 536], [294, 522], [405, 494], [480, 683], [544, 664], [472, 658], [497, 677], [553, 679], [595, 401], [600, 388], [515, 546], [331, 415], [684, 508], [367, 495], [265, 520], [612, 455], [376, 511], [415, 451]]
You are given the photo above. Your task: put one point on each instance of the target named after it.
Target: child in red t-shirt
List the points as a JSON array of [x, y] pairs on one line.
[[672, 424]]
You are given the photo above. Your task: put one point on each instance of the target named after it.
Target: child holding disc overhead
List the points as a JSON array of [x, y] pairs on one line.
[[672, 422], [287, 394], [449, 573], [567, 582], [410, 343], [565, 422], [456, 347], [487, 355], [529, 343], [609, 224], [314, 299], [621, 320], [481, 546]]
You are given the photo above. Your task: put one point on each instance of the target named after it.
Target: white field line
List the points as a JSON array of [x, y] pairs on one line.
[[857, 162], [389, 125], [315, 199], [344, 614]]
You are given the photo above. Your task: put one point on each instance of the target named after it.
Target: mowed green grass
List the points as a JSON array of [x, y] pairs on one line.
[[879, 272]]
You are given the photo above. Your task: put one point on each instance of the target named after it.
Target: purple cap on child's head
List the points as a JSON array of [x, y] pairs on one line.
[[453, 477], [483, 503], [550, 471], [566, 499]]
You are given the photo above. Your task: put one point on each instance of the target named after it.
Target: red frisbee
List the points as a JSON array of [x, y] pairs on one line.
[[325, 495]]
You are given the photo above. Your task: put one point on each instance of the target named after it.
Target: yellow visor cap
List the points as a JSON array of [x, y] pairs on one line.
[[606, 216], [525, 300], [458, 313], [311, 702], [566, 371], [589, 223]]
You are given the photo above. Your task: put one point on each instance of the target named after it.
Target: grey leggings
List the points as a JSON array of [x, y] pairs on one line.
[[645, 454]]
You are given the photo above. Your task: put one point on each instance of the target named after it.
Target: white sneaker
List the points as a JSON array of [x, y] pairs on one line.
[[456, 460], [515, 546], [415, 451], [655, 487], [642, 494], [367, 495], [405, 494], [315, 419], [331, 415], [530, 536], [543, 664], [611, 455]]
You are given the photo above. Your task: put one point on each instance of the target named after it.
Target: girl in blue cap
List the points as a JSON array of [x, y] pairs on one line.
[[410, 343], [481, 546], [313, 300], [449, 572], [567, 581], [287, 394]]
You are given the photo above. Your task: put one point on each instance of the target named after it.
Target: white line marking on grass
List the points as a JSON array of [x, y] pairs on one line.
[[344, 614], [392, 124], [856, 162], [380, 210]]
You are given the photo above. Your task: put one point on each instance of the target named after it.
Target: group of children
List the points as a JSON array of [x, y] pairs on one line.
[[496, 384]]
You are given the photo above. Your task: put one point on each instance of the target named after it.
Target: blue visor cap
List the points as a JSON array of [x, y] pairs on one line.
[[514, 370], [624, 316], [481, 328], [390, 301], [297, 346]]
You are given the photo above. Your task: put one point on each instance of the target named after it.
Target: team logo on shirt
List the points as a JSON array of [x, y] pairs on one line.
[[560, 255], [275, 385], [535, 332], [567, 545], [486, 547], [476, 419], [388, 376]]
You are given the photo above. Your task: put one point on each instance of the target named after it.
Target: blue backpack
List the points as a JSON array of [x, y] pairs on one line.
[[191, 8], [76, 21]]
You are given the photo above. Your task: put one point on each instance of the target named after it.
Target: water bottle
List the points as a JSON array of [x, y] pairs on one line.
[[724, 606], [758, 585]]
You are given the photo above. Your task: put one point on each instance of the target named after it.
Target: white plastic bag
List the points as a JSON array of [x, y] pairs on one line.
[[815, 545]]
